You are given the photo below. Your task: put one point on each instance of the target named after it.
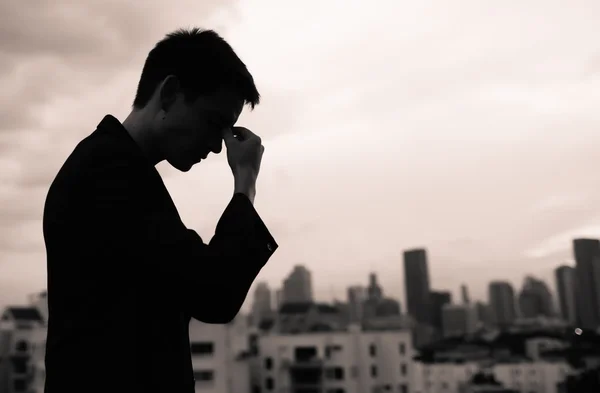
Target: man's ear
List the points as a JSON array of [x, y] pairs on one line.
[[169, 89]]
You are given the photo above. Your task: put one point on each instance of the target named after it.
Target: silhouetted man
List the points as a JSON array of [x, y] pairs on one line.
[[124, 273]]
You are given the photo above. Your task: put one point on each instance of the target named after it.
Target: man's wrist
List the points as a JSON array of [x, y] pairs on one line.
[[249, 193], [245, 183]]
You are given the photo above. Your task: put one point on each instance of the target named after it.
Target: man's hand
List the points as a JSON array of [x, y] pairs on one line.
[[244, 155]]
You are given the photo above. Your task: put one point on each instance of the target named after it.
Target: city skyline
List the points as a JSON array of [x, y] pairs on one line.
[[531, 299], [475, 137]]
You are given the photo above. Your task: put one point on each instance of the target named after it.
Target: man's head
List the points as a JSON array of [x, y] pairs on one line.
[[193, 86]]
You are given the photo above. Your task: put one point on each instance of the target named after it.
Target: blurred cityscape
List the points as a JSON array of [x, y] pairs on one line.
[[525, 340]]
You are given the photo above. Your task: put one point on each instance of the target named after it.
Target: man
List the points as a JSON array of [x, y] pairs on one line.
[[125, 276]]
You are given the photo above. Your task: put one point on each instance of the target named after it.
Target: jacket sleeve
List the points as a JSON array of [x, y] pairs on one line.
[[207, 281], [215, 278]]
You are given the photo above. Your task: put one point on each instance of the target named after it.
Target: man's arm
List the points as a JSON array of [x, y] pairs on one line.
[[214, 278], [208, 281]]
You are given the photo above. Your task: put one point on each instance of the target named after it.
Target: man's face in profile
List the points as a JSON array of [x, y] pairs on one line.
[[193, 130]]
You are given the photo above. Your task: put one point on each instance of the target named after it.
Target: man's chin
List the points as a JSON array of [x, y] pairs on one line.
[[182, 167]]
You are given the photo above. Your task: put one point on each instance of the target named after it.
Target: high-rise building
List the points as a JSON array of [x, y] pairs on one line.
[[437, 300], [416, 277], [465, 294], [565, 285], [485, 316], [587, 254], [535, 299], [502, 302], [357, 295], [262, 304], [297, 287], [458, 320], [374, 290], [278, 298]]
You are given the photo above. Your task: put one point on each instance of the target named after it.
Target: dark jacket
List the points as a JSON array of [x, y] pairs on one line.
[[125, 275]]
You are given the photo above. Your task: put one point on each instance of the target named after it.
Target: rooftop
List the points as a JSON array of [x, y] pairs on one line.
[[25, 314]]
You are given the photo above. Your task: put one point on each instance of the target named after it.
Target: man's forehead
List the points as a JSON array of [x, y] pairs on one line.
[[227, 104]]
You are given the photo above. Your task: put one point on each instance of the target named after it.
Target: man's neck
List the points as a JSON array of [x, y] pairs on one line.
[[140, 132]]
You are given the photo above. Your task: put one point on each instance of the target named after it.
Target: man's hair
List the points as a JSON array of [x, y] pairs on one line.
[[202, 61]]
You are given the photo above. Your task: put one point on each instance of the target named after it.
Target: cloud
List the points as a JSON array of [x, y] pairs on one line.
[[557, 242], [386, 126]]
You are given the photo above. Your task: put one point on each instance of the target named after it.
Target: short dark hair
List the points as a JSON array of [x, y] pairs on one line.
[[202, 61]]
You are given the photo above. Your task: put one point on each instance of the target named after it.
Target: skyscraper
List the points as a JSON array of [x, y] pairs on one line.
[[565, 286], [416, 277], [297, 287], [278, 298], [465, 294], [502, 303], [458, 320], [485, 315], [261, 305], [374, 291], [357, 295], [535, 299], [587, 254], [437, 300]]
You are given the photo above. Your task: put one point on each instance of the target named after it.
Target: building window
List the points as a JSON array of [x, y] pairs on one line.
[[21, 346], [403, 369], [403, 388], [269, 384], [202, 348], [204, 376], [330, 349], [402, 348], [335, 374], [305, 354], [19, 385], [268, 363], [19, 365], [374, 371], [373, 350], [444, 385]]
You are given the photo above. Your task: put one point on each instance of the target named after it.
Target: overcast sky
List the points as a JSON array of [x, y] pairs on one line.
[[470, 128]]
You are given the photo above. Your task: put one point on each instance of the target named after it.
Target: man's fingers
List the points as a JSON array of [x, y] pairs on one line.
[[245, 134], [228, 135]]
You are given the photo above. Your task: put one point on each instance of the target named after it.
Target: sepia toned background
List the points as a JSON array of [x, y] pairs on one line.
[[472, 131]]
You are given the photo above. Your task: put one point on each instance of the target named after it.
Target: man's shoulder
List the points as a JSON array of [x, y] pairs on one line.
[[98, 158], [100, 154], [99, 150]]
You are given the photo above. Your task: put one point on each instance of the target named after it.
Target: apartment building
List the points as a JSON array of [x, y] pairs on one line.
[[18, 328], [220, 356], [517, 375], [37, 367], [352, 361]]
